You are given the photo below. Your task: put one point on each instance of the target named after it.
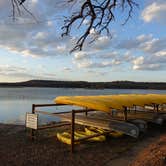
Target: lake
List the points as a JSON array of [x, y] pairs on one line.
[[15, 102]]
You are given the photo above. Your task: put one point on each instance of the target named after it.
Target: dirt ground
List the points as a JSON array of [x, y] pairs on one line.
[[17, 150]]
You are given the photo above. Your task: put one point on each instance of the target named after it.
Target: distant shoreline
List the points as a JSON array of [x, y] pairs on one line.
[[87, 85]]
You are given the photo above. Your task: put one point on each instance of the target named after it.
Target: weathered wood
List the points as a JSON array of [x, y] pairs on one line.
[[72, 130], [53, 126], [125, 113], [48, 113], [47, 105], [63, 112], [32, 130]]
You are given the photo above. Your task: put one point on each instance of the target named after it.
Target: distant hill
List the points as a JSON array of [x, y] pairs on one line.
[[91, 85]]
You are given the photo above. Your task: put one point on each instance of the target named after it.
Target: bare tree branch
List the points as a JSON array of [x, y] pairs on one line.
[[99, 13], [17, 5]]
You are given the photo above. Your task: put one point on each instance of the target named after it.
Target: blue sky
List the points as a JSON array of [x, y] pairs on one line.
[[30, 50]]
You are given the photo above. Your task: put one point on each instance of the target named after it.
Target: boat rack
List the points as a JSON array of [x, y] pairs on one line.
[[123, 122], [66, 120], [80, 117]]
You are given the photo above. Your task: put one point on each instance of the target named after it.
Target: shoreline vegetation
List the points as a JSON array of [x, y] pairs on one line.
[[88, 85]]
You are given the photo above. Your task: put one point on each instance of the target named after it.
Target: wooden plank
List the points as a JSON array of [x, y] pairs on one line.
[[48, 105], [72, 130], [63, 112], [53, 126], [47, 113]]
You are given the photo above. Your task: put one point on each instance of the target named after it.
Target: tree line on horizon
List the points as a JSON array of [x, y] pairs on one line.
[[91, 85]]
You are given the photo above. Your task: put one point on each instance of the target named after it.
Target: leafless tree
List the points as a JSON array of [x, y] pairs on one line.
[[18, 6], [99, 13]]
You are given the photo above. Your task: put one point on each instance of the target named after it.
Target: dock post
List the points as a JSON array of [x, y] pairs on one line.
[[72, 130], [154, 107], [86, 111], [32, 130], [125, 113], [135, 109], [157, 108]]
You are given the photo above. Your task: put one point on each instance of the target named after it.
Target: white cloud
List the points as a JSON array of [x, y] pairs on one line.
[[153, 52], [155, 12], [144, 38], [67, 69], [35, 42], [138, 61], [102, 42], [161, 53], [109, 54], [93, 32], [86, 22], [49, 23], [34, 1], [86, 63], [128, 57], [97, 73], [153, 62], [23, 72], [80, 55], [146, 43], [115, 62], [40, 36], [147, 67], [61, 48], [134, 43], [27, 37]]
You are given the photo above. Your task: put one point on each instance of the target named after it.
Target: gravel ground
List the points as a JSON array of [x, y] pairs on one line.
[[16, 149]]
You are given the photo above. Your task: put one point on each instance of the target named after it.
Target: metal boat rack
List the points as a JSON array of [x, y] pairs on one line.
[[122, 123]]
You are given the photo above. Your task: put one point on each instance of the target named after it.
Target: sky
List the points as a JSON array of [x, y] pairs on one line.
[[32, 49]]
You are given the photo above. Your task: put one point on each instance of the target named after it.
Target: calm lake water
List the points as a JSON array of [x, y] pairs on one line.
[[15, 102]]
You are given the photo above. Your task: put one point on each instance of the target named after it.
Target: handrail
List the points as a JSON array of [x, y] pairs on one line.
[[47, 105]]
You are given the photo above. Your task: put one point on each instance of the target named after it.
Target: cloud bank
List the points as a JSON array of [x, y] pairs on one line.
[[155, 12]]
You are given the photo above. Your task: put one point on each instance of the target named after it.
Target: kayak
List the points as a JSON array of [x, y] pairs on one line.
[[65, 137], [108, 102], [114, 134]]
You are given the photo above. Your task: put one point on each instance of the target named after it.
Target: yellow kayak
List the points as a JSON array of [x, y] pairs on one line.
[[65, 137], [107, 102], [114, 134], [85, 134]]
